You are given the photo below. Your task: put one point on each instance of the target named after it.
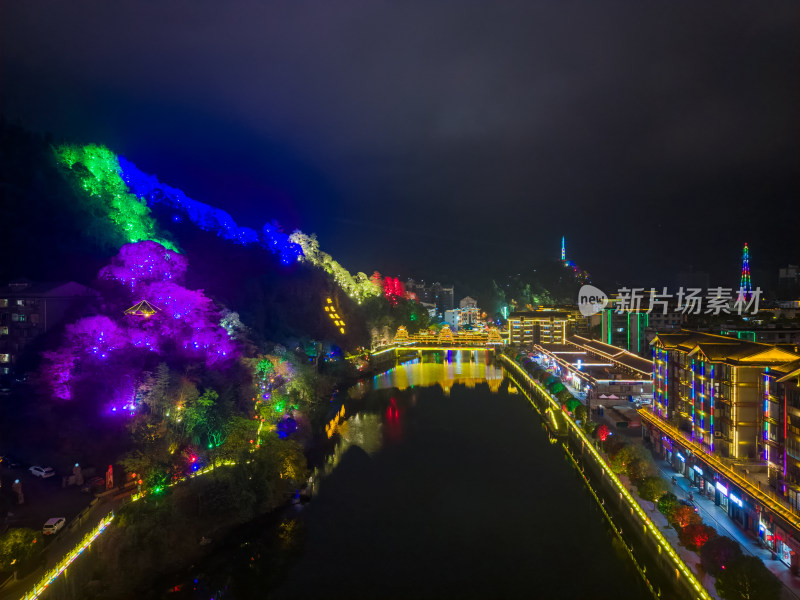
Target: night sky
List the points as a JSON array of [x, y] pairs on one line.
[[444, 139]]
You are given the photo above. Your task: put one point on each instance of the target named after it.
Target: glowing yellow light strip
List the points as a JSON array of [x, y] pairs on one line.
[[68, 559], [648, 524], [753, 491], [204, 471]]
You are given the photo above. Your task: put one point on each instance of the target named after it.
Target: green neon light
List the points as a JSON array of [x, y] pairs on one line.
[[629, 330], [98, 173]]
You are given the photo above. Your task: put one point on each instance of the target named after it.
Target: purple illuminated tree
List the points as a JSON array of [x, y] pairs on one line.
[[145, 262], [186, 326]]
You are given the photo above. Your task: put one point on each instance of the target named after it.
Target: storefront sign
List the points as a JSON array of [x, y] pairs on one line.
[[722, 489], [698, 469], [735, 499], [680, 456]]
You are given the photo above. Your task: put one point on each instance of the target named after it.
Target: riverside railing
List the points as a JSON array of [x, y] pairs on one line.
[[68, 558], [648, 525], [774, 505]]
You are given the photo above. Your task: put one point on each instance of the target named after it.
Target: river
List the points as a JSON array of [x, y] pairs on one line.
[[443, 484]]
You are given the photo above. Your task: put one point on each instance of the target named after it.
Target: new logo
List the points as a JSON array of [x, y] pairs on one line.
[[591, 300]]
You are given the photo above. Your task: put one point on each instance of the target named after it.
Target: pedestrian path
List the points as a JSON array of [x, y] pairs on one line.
[[690, 557], [718, 518]]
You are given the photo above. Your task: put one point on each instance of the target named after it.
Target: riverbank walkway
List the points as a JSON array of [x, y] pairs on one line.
[[712, 515], [717, 517]]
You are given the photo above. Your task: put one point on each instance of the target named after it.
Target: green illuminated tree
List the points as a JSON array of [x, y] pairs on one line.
[[240, 432], [202, 420], [626, 455], [16, 546], [562, 393], [637, 469], [99, 175], [652, 488], [667, 503]]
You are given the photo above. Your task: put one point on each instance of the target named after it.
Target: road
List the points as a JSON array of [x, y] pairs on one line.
[[45, 498]]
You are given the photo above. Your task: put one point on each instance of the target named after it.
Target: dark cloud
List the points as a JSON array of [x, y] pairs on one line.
[[449, 136]]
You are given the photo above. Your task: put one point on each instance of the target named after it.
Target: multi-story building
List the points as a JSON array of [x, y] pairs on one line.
[[726, 415], [444, 296], [634, 328], [708, 386], [451, 319], [769, 333], [539, 327], [27, 310], [440, 295], [466, 316], [789, 279], [469, 313], [625, 329], [780, 387], [602, 372]]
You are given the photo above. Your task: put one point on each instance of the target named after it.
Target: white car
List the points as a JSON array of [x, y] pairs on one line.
[[53, 525], [43, 472]]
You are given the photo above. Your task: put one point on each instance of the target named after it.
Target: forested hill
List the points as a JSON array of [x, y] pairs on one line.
[[68, 209]]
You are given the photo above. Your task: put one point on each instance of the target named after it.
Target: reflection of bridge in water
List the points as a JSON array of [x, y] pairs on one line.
[[445, 367]]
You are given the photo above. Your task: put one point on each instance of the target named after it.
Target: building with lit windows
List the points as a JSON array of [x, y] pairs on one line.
[[634, 329], [723, 415], [539, 327], [606, 374], [624, 329], [780, 387], [442, 296], [708, 386], [29, 309]]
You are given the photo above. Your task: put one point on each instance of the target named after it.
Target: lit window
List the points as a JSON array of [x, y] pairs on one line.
[[3, 302], [3, 330], [20, 302], [14, 317], [4, 358], [21, 318]]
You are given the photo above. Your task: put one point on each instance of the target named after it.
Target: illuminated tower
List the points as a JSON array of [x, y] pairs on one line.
[[563, 249], [745, 287]]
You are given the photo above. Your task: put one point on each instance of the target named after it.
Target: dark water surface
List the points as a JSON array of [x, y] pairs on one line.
[[466, 499], [445, 491]]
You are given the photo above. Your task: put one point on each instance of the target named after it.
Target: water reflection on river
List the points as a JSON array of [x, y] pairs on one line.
[[442, 485], [367, 430]]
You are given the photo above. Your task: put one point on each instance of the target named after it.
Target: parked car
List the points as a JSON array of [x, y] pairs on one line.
[[53, 525], [9, 461], [688, 503], [43, 472]]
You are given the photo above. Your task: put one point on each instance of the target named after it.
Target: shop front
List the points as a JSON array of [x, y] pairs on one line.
[[721, 494], [709, 485], [663, 446], [766, 531], [737, 509], [786, 548], [679, 462], [696, 476]]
